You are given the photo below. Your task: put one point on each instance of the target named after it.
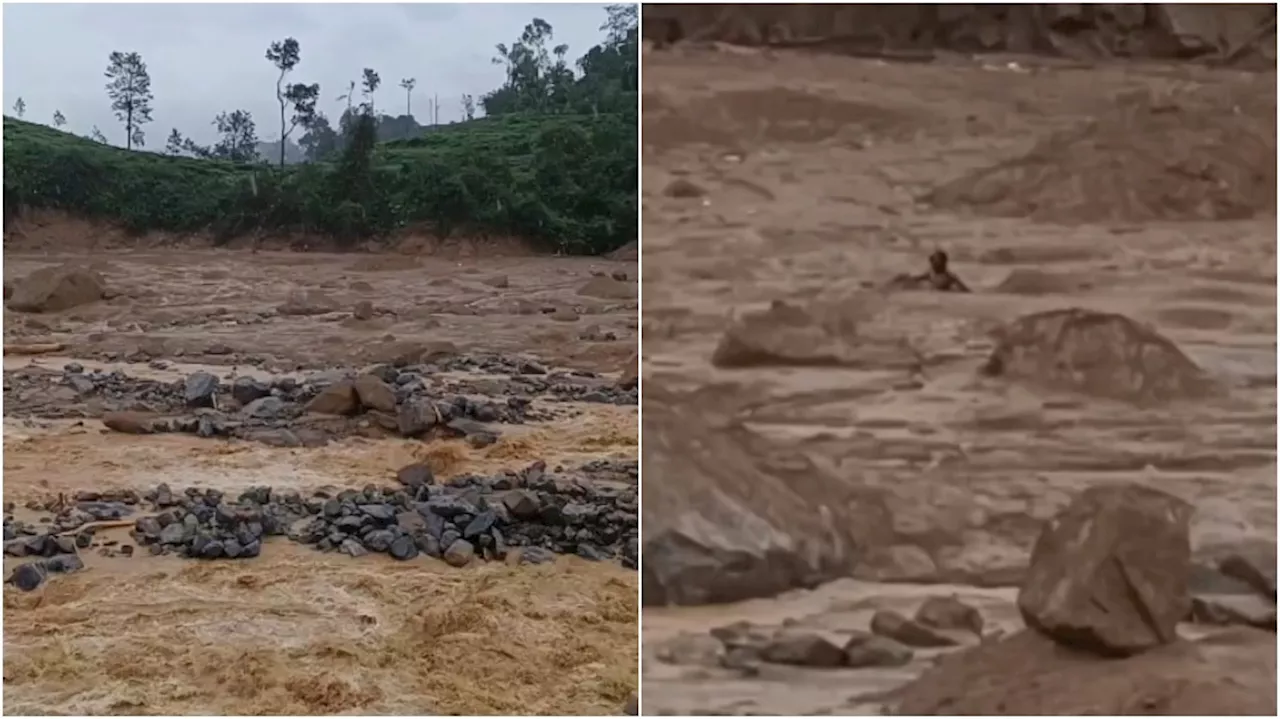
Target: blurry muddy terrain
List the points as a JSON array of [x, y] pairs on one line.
[[819, 447], [525, 354]]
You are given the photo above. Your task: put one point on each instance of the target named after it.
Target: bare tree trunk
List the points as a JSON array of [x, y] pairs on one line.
[[280, 97], [408, 102], [128, 128]]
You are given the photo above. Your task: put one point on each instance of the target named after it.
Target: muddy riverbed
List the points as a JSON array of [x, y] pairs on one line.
[[885, 454], [528, 350]]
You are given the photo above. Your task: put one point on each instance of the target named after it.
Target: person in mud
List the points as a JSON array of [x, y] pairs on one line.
[[938, 277]]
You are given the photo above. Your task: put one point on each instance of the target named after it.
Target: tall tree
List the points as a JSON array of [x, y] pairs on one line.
[[286, 55], [239, 142], [19, 108], [468, 107], [58, 118], [535, 81], [130, 92], [176, 144], [320, 140], [369, 86], [408, 84]]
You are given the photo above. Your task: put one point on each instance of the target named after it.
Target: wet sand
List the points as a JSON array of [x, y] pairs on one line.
[[296, 631], [771, 175]]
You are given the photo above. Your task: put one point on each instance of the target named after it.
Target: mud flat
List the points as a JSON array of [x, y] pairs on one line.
[[820, 450], [306, 483]]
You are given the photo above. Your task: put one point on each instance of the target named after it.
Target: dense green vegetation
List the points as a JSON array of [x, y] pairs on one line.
[[554, 161]]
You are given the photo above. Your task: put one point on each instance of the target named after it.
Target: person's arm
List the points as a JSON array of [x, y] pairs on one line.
[[959, 285]]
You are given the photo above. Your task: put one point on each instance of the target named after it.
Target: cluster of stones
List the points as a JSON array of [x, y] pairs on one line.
[[468, 518], [891, 642], [285, 411], [1109, 576]]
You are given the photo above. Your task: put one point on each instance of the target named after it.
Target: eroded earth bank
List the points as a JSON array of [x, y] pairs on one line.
[[286, 483], [845, 477]]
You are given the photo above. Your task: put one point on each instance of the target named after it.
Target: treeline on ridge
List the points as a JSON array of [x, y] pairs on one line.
[[553, 160]]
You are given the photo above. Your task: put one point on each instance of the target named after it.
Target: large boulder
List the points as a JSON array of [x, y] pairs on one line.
[[1100, 354], [53, 289], [723, 520], [1109, 574]]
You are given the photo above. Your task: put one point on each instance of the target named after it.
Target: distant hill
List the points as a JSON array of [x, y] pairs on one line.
[[568, 182]]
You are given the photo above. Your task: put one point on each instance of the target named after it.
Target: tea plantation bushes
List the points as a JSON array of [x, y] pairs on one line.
[[566, 182]]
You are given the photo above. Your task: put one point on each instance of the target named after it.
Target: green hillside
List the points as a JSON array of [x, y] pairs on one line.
[[568, 182]]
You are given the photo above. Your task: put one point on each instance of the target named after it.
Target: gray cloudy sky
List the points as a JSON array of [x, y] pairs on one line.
[[207, 58]]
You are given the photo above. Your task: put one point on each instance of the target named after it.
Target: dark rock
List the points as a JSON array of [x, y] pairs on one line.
[[379, 540], [460, 553], [949, 613], [270, 408], [199, 390], [482, 523], [353, 548], [806, 649], [1249, 610], [1109, 574], [383, 514], [522, 504], [416, 475], [887, 623], [870, 650], [416, 416], [1255, 566], [404, 548], [247, 389], [28, 577]]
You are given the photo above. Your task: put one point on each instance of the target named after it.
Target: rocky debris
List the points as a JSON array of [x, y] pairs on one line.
[[1098, 354], [461, 521], [30, 575], [949, 613], [1231, 673], [727, 518], [373, 398], [54, 289], [806, 649], [909, 632], [814, 335], [873, 650], [1255, 566], [1109, 574], [1152, 30], [743, 646], [1227, 609]]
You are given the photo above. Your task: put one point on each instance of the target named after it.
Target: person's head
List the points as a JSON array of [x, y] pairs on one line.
[[938, 261]]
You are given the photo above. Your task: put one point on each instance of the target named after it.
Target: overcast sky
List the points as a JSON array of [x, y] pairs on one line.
[[205, 59]]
